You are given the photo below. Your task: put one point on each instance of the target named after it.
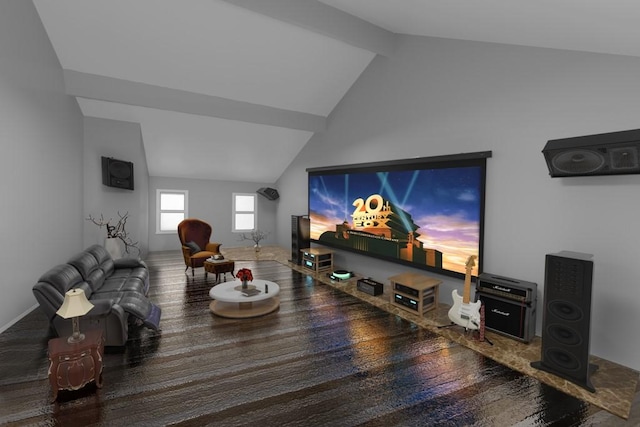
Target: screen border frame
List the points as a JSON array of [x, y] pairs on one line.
[[453, 160]]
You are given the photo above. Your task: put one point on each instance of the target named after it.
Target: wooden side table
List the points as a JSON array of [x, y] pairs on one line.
[[414, 292], [317, 260], [74, 365], [219, 267]]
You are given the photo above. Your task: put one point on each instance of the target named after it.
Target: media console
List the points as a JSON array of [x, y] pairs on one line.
[[317, 260], [414, 292]]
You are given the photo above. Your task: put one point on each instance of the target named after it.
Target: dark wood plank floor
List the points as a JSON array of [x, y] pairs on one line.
[[324, 358]]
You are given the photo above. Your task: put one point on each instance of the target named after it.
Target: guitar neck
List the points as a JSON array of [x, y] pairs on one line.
[[466, 293]]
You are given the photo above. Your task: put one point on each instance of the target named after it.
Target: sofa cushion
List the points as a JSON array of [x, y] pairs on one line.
[[87, 265], [104, 259], [63, 278], [122, 285]]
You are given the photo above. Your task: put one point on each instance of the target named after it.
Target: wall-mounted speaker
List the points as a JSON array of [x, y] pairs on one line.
[[566, 318], [300, 237], [117, 173], [614, 153], [269, 193]]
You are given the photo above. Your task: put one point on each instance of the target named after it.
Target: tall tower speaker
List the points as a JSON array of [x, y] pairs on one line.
[[566, 318], [300, 237]]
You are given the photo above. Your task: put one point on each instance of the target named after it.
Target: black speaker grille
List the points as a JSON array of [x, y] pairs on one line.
[[562, 359], [624, 158], [565, 310], [566, 276], [119, 169], [578, 161], [564, 335], [299, 237], [117, 173]]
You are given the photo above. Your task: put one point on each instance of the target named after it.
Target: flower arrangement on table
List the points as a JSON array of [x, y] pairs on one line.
[[244, 274]]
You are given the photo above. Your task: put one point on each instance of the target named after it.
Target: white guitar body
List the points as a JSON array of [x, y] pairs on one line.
[[465, 315], [464, 312]]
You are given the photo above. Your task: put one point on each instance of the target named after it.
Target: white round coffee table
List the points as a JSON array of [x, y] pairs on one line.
[[229, 302]]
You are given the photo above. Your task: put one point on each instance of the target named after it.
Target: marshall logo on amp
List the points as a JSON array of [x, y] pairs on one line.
[[510, 305]]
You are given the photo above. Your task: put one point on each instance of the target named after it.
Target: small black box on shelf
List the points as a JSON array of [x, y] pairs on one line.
[[370, 286]]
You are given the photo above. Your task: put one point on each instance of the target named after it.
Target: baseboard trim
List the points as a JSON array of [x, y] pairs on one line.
[[12, 322]]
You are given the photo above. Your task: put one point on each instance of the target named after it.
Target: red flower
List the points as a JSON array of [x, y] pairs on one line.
[[244, 274]]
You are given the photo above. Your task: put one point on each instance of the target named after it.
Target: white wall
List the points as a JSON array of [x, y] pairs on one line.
[[122, 141], [41, 152], [211, 201], [438, 96]]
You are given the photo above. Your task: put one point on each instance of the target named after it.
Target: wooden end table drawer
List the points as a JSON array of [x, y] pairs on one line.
[[74, 365]]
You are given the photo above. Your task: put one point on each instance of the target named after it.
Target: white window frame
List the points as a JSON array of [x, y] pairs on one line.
[[234, 212], [159, 212]]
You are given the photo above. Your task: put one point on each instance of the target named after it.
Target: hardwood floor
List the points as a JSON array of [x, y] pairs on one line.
[[324, 358]]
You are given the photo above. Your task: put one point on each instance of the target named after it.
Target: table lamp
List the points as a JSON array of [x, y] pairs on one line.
[[75, 305]]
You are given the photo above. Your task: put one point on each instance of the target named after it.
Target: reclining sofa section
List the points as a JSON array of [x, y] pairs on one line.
[[117, 289]]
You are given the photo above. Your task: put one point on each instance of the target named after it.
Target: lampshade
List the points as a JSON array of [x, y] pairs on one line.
[[75, 304]]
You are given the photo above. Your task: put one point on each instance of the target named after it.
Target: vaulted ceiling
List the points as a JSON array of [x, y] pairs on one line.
[[255, 79]]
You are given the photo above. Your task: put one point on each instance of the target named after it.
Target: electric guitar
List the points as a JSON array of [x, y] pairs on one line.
[[464, 312]]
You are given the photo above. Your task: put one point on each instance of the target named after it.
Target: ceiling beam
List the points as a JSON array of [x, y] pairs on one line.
[[326, 20], [103, 88]]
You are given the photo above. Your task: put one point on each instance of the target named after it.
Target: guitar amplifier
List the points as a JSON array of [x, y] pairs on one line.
[[509, 305]]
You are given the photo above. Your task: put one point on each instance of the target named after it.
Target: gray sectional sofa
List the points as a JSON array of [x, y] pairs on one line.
[[117, 288]]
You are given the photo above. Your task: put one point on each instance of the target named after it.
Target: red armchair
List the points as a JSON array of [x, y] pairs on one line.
[[194, 235]]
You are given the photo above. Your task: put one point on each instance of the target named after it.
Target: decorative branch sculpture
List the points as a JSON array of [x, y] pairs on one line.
[[256, 236], [117, 230]]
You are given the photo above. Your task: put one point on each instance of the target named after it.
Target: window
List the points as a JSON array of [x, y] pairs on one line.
[[244, 212], [171, 209]]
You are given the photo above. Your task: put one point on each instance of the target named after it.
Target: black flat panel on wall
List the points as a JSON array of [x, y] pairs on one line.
[[566, 319], [117, 173], [300, 237]]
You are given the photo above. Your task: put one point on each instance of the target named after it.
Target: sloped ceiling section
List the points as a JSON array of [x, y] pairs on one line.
[[212, 82], [601, 26]]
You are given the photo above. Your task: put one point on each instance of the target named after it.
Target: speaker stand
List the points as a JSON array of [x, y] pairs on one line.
[[582, 382]]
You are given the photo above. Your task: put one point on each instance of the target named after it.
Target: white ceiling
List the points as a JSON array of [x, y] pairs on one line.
[[604, 26], [212, 81]]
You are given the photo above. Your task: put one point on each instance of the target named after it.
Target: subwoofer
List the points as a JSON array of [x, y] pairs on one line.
[[300, 237], [117, 173], [613, 153], [566, 318]]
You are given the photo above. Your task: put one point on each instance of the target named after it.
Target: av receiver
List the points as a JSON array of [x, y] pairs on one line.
[[370, 286]]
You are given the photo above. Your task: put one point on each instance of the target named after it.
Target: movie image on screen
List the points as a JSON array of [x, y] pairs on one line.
[[427, 213]]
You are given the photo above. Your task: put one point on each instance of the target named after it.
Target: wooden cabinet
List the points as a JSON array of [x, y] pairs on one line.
[[414, 292], [74, 365], [317, 260]]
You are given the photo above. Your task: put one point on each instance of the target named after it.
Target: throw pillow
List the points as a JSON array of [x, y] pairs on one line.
[[193, 246]]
